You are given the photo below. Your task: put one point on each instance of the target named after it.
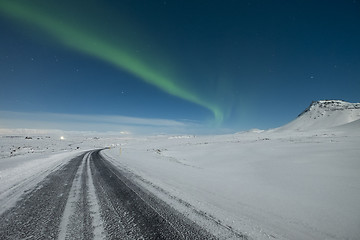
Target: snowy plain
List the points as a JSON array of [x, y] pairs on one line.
[[265, 185], [300, 181]]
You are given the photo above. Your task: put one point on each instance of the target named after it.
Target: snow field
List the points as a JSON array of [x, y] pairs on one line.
[[287, 185]]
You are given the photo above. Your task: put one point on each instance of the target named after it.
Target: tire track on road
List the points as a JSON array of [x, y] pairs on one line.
[[73, 223], [137, 213], [97, 221], [81, 218]]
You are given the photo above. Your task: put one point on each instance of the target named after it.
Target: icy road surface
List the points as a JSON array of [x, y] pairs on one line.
[[88, 198]]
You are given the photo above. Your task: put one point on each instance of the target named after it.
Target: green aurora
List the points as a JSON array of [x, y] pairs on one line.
[[94, 44]]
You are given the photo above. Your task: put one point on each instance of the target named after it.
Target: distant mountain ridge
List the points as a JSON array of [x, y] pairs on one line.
[[325, 114]]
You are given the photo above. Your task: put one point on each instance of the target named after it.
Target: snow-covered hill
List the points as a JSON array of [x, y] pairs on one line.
[[323, 115]]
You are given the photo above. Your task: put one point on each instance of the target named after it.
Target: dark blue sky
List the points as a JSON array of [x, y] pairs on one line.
[[220, 65]]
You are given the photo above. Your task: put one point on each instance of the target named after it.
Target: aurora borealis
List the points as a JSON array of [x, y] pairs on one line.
[[225, 64], [90, 43]]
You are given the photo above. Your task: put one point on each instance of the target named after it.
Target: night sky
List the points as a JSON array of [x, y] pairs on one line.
[[173, 66]]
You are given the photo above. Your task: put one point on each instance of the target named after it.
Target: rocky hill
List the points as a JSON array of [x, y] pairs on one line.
[[325, 114]]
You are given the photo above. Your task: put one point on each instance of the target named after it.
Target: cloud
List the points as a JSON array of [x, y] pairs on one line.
[[27, 131], [56, 122]]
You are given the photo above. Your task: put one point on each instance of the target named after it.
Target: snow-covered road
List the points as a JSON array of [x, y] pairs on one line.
[[89, 198]]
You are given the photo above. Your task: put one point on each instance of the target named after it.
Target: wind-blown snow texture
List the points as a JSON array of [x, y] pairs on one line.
[[300, 181]]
